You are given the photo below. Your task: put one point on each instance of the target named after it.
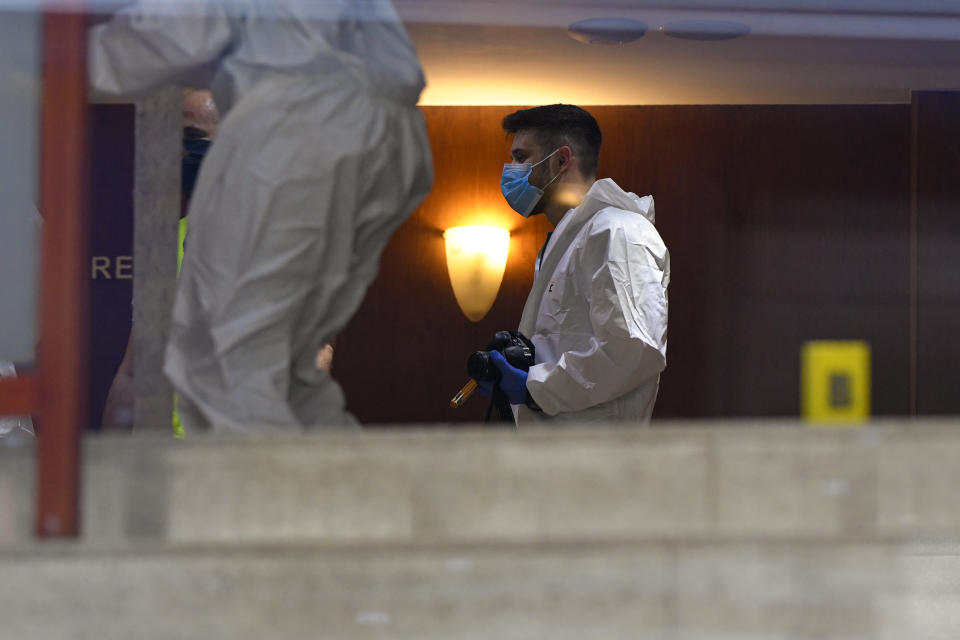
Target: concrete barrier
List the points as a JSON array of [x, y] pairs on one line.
[[683, 532], [676, 591], [771, 482]]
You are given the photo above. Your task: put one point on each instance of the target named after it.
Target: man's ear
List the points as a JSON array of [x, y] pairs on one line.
[[565, 154]]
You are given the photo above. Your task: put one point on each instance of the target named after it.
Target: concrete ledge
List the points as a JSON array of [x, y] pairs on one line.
[[680, 533], [564, 591], [767, 481]]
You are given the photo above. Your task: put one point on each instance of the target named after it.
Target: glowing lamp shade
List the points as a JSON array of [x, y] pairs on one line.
[[476, 258]]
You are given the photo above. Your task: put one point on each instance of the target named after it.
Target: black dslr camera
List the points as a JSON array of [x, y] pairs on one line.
[[516, 349]]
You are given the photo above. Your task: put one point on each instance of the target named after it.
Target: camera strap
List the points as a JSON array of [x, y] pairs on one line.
[[499, 400]]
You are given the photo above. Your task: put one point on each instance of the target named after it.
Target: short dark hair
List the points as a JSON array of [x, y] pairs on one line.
[[556, 125]]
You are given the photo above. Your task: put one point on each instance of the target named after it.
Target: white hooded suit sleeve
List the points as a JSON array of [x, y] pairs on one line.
[[621, 270], [154, 42]]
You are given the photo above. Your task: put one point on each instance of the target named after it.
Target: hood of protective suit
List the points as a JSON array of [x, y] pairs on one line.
[[606, 193]]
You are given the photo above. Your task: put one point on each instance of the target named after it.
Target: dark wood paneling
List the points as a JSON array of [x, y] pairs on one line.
[[937, 157], [784, 224]]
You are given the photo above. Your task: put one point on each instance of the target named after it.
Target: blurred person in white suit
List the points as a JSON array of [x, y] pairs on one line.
[[320, 155]]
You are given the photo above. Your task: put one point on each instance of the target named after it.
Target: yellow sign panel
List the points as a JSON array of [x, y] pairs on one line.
[[835, 382]]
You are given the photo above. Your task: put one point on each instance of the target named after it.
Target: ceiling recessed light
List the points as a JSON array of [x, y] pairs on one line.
[[607, 30], [705, 29]]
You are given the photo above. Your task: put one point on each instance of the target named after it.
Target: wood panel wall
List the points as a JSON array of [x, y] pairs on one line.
[[784, 223], [936, 123]]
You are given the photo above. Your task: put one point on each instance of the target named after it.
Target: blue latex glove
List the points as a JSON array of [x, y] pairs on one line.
[[514, 381], [485, 388]]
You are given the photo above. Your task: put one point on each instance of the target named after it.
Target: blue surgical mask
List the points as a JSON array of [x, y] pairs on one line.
[[516, 188]]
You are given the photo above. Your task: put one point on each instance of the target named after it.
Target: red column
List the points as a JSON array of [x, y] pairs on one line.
[[61, 386]]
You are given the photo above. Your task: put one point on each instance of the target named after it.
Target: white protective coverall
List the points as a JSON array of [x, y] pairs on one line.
[[321, 155], [597, 313]]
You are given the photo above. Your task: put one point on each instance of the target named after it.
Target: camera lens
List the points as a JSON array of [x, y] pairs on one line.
[[480, 367]]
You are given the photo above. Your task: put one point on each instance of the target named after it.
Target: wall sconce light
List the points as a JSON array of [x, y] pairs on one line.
[[476, 259]]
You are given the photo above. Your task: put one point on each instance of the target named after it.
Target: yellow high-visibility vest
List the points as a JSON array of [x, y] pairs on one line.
[[177, 426]]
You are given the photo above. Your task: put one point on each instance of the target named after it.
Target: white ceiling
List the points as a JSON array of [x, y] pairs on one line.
[[798, 52]]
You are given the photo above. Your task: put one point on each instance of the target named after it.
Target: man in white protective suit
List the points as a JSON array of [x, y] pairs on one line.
[[597, 313], [321, 154]]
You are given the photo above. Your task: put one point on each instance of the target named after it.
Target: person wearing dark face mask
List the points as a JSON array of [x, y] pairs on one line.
[[195, 146], [597, 313], [200, 122]]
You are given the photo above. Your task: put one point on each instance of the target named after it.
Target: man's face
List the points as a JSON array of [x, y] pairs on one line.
[[526, 148], [199, 114]]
